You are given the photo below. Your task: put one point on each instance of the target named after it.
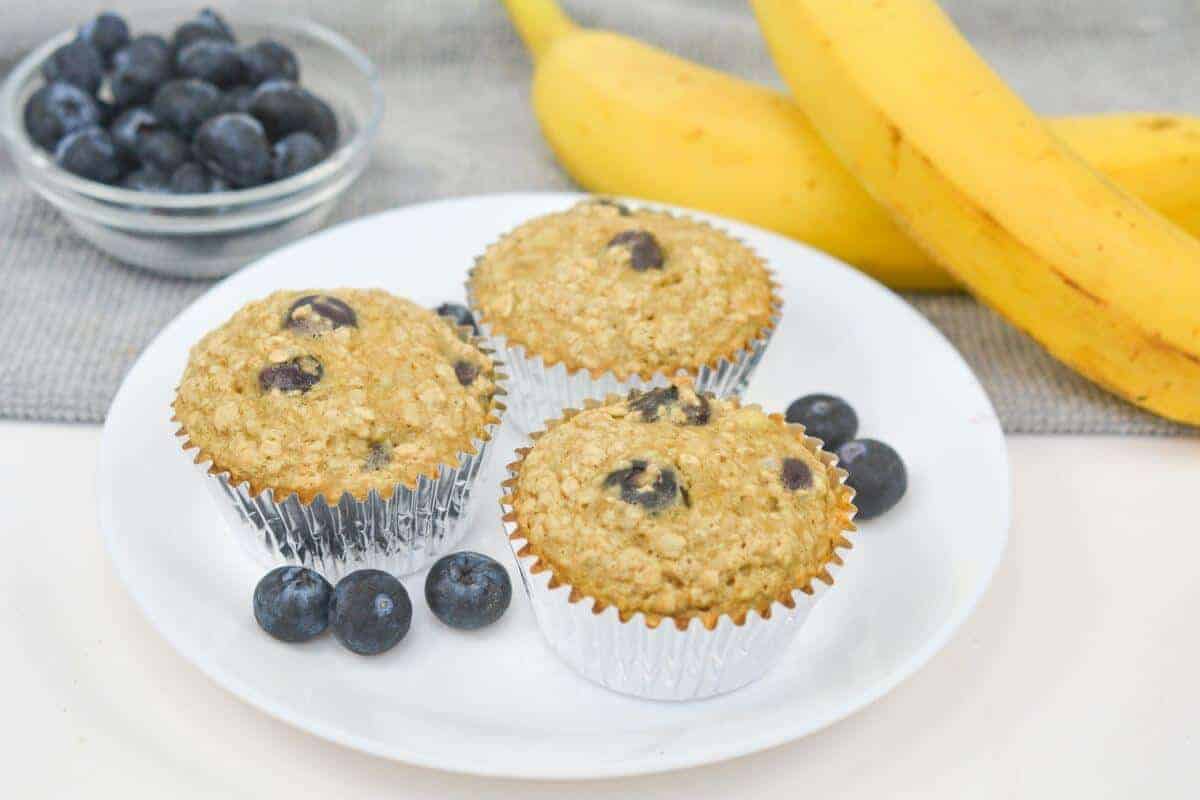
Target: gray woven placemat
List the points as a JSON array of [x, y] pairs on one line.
[[459, 122]]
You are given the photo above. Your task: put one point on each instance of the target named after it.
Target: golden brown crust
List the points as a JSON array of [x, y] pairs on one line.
[[557, 287], [390, 404], [610, 550]]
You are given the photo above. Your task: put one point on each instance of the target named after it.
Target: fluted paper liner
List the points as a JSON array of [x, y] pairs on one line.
[[667, 658], [400, 532], [540, 391]]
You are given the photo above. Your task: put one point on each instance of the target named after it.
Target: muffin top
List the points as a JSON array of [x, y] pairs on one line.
[[680, 505], [603, 287], [334, 390]]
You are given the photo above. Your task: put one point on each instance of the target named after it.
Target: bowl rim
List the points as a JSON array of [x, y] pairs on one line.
[[24, 151]]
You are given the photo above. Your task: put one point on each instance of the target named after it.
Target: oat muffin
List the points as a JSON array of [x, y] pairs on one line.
[[602, 287], [325, 392], [679, 505]]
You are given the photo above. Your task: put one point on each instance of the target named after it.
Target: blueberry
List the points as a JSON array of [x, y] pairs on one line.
[[295, 153], [139, 69], [466, 372], [235, 148], [76, 63], [644, 250], [193, 178], [637, 489], [283, 108], [186, 104], [459, 314], [795, 475], [210, 60], [698, 413], [370, 612], [830, 419], [237, 99], [468, 590], [207, 25], [58, 109], [269, 60], [127, 129], [651, 403], [145, 179], [292, 603], [877, 475], [323, 312], [108, 33], [89, 153], [297, 375], [163, 150]]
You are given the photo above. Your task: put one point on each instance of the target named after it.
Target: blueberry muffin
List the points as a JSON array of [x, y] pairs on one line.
[[325, 392]]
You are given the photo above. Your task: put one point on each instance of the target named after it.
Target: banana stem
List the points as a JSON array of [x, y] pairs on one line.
[[539, 22]]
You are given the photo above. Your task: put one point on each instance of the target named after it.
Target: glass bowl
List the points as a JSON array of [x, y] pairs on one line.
[[209, 235]]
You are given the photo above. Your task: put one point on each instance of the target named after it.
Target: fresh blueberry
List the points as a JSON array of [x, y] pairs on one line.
[[163, 150], [108, 111], [644, 250], [89, 153], [877, 475], [637, 489], [207, 25], [139, 69], [186, 104], [210, 60], [370, 612], [330, 313], [127, 129], [283, 108], [235, 148], [269, 60], [237, 99], [292, 603], [108, 33], [468, 590], [295, 153], [145, 179], [831, 419], [297, 375], [193, 178], [459, 314], [57, 109], [76, 63]]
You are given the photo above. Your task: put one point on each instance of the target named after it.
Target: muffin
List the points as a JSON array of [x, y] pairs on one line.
[[340, 428], [673, 543], [602, 298]]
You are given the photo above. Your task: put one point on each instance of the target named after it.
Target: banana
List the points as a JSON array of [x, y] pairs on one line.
[[627, 118], [1107, 285]]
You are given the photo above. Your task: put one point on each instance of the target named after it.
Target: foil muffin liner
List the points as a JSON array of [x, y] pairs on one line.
[[666, 658], [400, 533], [539, 391]]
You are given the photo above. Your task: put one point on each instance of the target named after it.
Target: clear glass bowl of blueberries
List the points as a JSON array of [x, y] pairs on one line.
[[192, 147]]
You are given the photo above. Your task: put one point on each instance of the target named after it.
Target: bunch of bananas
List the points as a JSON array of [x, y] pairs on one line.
[[900, 152]]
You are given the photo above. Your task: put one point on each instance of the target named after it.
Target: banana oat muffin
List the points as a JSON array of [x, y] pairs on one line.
[[602, 287], [680, 505], [332, 391]]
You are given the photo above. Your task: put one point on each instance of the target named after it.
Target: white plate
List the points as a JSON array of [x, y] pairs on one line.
[[497, 702]]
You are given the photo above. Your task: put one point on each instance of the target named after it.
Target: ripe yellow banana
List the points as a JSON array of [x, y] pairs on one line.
[[1103, 282], [627, 118]]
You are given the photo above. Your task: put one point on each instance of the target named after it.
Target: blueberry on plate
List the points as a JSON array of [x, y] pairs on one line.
[[76, 63], [235, 148], [269, 60], [210, 60], [128, 128], [460, 314], [186, 104], [237, 98], [295, 153], [139, 69], [207, 25], [57, 109], [827, 417], [370, 612], [163, 150], [292, 603], [283, 108], [89, 153], [146, 179], [877, 475], [108, 33], [193, 178], [468, 590]]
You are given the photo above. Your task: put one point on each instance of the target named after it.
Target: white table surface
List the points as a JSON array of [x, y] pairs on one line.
[[1078, 676]]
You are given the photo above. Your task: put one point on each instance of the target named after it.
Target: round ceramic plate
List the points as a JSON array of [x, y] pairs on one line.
[[497, 701]]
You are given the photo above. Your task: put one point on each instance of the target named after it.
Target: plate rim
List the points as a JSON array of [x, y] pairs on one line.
[[643, 765]]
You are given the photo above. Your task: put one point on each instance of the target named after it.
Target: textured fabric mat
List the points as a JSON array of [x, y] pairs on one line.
[[458, 122]]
